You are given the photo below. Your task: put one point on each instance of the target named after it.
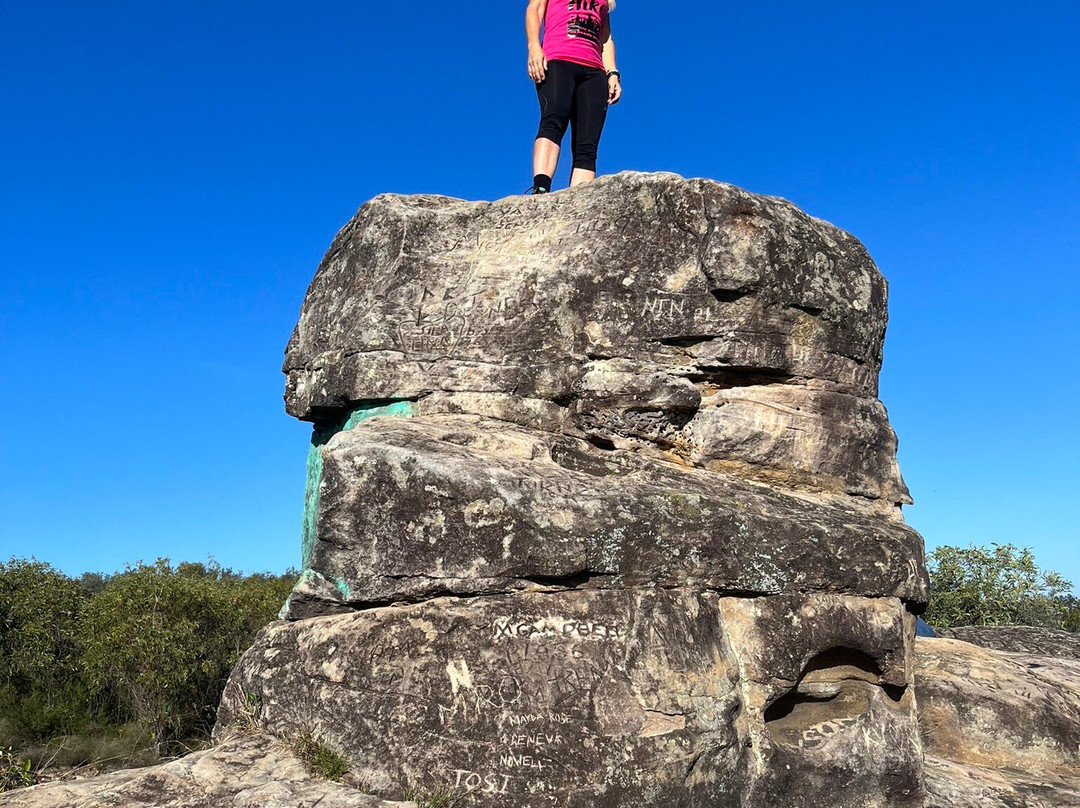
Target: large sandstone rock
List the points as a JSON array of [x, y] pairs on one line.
[[249, 772], [602, 508], [1002, 729]]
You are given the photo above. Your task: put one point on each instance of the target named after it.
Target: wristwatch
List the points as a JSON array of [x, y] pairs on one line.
[[615, 73]]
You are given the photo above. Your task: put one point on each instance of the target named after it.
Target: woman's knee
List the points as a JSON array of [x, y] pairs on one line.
[[553, 127]]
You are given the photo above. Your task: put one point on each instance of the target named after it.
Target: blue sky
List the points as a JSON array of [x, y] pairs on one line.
[[172, 173]]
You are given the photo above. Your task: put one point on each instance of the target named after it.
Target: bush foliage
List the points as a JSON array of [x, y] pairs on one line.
[[41, 690], [150, 646], [999, 585]]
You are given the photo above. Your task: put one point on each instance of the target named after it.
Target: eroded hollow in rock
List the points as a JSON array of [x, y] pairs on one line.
[[835, 687]]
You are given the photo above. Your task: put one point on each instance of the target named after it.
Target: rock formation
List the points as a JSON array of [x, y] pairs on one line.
[[602, 507], [1038, 642], [1001, 727]]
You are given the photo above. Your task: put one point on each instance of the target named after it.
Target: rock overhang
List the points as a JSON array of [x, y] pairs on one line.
[[673, 272]]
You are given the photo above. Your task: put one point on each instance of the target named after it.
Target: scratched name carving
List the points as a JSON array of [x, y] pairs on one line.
[[554, 486], [448, 318], [473, 781], [536, 740], [523, 761], [509, 628], [658, 305], [816, 735]]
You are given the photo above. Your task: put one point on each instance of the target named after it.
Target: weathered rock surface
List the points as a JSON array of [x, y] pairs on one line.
[[250, 772], [449, 504], [1047, 642], [602, 508], [1000, 728], [644, 697], [958, 785], [687, 317]]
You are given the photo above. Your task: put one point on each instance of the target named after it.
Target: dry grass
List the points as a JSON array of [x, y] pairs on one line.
[[94, 752]]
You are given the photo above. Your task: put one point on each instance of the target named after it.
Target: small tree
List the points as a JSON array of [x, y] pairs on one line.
[[41, 693], [1000, 585]]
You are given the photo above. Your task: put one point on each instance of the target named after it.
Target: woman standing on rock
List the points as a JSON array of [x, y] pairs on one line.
[[576, 80]]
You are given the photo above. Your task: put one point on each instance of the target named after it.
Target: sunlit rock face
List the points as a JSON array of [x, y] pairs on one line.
[[999, 709], [602, 507]]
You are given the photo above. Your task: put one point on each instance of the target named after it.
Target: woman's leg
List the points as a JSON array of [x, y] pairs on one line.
[[556, 96], [580, 176], [589, 114], [545, 157]]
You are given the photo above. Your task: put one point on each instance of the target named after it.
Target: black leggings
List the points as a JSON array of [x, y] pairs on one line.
[[577, 95]]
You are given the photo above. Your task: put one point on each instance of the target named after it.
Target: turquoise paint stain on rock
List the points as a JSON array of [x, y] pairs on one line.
[[344, 588], [320, 436], [314, 584]]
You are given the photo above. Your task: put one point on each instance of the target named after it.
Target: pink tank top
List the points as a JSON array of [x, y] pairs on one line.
[[572, 31]]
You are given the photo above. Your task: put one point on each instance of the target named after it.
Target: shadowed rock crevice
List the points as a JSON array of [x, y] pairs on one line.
[[574, 580], [784, 706], [724, 378], [836, 664], [832, 689]]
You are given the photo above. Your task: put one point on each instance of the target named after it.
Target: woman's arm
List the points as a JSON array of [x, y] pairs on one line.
[[614, 83], [534, 18]]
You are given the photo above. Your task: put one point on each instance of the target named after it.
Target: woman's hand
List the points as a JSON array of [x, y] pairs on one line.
[[614, 90], [537, 63]]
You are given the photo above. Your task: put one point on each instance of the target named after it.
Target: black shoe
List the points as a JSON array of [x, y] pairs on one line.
[[536, 190]]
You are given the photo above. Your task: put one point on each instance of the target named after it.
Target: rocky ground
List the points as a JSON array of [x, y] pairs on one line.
[[1000, 730], [1001, 727], [254, 771]]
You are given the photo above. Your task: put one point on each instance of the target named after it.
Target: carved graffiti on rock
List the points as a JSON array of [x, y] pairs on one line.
[[507, 628]]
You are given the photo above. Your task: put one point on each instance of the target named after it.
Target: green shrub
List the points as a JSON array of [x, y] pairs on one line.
[[160, 642], [1072, 618], [117, 669], [1000, 585], [14, 771]]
